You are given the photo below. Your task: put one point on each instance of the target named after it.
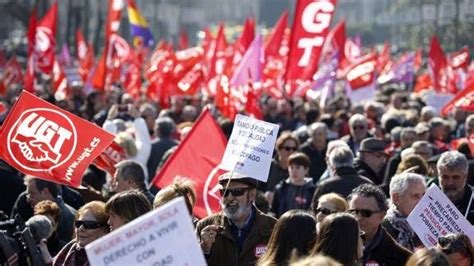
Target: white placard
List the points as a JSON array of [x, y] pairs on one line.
[[437, 100], [164, 236], [435, 215], [250, 147]]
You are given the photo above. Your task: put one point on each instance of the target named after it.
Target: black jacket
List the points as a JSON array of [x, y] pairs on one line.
[[345, 179], [364, 170], [384, 250], [318, 160]]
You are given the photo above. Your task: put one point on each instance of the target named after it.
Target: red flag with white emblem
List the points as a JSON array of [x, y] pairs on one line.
[[203, 171], [42, 140], [11, 75], [310, 27], [45, 41]]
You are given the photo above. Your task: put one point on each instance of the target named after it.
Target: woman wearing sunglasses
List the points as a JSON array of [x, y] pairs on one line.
[[458, 248], [90, 224], [329, 204]]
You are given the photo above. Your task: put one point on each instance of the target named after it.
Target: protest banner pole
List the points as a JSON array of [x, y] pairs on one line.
[[469, 205]]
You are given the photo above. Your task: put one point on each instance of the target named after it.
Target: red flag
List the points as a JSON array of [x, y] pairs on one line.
[[336, 39], [460, 59], [384, 57], [217, 66], [183, 40], [273, 44], [443, 76], [243, 43], [45, 40], [423, 82], [85, 55], [3, 59], [112, 155], [276, 57], [418, 59], [11, 75], [45, 141], [30, 66], [203, 171], [101, 79], [310, 27], [251, 106], [463, 100], [362, 73], [59, 82]]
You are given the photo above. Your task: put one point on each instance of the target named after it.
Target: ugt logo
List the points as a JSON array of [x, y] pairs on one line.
[[42, 139]]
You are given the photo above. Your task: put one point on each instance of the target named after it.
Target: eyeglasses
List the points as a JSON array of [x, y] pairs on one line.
[[449, 246], [363, 213], [236, 192], [324, 211], [358, 127], [288, 148], [89, 224]]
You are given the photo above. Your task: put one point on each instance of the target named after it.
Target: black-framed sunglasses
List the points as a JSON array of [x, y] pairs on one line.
[[236, 192], [288, 148], [324, 211], [449, 246], [89, 224], [363, 213], [360, 127]]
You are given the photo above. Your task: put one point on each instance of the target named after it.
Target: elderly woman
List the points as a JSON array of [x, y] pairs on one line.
[[126, 206], [90, 224], [329, 204], [406, 190]]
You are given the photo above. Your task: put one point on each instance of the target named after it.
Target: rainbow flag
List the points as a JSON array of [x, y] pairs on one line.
[[139, 30]]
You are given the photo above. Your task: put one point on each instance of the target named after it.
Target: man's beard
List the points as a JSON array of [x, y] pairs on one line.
[[235, 210], [452, 193]]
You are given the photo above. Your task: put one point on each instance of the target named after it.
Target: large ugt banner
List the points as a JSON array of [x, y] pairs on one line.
[[310, 28], [42, 140]]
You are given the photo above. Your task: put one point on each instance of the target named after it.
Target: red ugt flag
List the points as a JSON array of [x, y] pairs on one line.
[[42, 140], [198, 160], [310, 27]]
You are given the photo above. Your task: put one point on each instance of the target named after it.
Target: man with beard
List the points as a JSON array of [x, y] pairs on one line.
[[452, 172], [237, 235]]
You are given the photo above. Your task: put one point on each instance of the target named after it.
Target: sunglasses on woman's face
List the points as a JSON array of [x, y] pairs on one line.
[[288, 148], [324, 211], [449, 246], [89, 224]]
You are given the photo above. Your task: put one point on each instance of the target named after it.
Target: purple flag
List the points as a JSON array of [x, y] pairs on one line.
[[65, 57], [250, 68], [325, 80], [402, 72]]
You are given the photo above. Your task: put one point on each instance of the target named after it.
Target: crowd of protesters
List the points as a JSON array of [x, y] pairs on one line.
[[342, 181]]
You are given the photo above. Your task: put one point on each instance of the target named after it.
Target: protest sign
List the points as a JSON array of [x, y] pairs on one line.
[[435, 215], [43, 140], [250, 148], [164, 236]]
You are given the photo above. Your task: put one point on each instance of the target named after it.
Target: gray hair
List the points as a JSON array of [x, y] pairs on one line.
[[400, 182], [131, 170], [407, 130], [335, 144], [341, 157], [40, 227], [451, 160], [428, 110], [357, 118], [317, 125], [165, 126]]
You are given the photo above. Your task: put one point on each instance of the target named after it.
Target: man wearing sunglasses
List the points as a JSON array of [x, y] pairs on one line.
[[369, 204], [237, 235]]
